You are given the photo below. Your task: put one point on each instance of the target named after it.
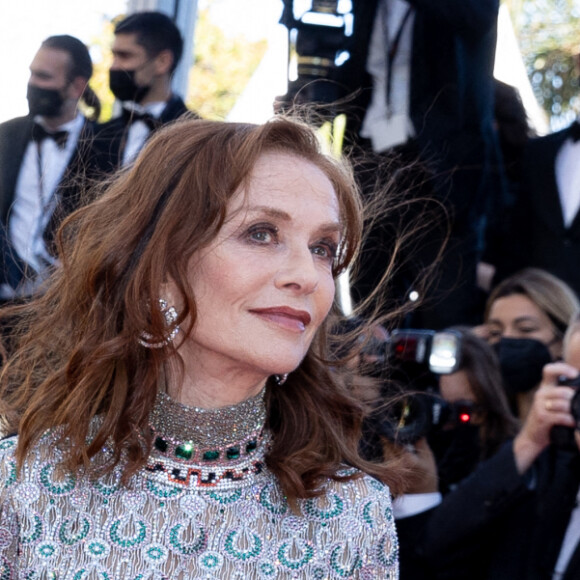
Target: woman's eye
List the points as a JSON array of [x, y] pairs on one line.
[[325, 250], [263, 234], [528, 330]]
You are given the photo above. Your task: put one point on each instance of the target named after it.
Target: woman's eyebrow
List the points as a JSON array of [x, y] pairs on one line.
[[526, 318], [329, 227]]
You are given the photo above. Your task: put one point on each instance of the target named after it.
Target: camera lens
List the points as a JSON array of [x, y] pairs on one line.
[[408, 419]]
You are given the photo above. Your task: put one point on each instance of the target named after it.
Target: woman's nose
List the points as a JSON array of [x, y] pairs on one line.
[[510, 333], [299, 272]]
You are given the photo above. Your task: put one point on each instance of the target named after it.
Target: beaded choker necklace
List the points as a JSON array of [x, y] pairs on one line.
[[207, 447]]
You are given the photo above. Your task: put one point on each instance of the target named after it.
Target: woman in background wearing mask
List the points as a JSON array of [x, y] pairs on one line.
[[526, 317]]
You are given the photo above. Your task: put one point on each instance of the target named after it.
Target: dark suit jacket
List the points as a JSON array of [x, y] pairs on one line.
[[538, 237], [15, 135], [451, 98], [497, 525], [111, 136]]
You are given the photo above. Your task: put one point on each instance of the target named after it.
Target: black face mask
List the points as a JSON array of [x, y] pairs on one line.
[[521, 361], [123, 86], [457, 452], [45, 102]]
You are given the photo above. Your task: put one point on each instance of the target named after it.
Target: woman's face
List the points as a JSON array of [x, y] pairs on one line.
[[516, 316], [265, 285]]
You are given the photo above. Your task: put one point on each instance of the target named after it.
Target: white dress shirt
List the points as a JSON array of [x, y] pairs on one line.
[[43, 167], [571, 539], [388, 125], [412, 504], [567, 169], [138, 131]]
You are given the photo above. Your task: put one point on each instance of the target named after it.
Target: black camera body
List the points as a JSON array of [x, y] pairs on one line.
[[316, 39], [419, 414], [560, 435], [411, 361], [439, 352]]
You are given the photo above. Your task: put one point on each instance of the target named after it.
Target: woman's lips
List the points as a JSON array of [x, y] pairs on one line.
[[288, 318]]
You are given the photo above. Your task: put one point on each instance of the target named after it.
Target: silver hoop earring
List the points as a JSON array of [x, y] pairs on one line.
[[170, 314], [280, 379]]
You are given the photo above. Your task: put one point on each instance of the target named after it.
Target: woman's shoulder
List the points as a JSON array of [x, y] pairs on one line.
[[362, 506], [361, 496], [42, 454], [361, 483], [8, 445]]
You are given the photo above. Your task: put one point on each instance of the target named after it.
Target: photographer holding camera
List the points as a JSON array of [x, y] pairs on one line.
[[516, 516]]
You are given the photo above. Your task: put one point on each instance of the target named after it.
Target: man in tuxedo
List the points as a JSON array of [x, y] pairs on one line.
[[43, 158], [545, 230], [417, 88], [146, 50]]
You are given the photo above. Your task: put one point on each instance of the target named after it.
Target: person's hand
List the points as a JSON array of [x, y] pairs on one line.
[[418, 460], [551, 407]]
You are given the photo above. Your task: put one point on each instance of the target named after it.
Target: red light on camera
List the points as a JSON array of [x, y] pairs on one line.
[[464, 417]]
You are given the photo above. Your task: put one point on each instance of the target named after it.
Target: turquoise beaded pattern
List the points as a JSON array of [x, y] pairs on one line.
[[163, 525]]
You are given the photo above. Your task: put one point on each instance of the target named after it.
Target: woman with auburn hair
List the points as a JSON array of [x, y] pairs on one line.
[[176, 412]]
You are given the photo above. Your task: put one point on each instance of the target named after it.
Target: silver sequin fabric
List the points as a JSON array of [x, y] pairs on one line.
[[205, 506]]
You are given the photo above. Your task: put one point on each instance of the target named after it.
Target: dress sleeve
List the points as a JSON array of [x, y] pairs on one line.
[[9, 529], [378, 537], [8, 541]]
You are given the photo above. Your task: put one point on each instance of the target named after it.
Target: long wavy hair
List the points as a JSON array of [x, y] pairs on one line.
[[77, 352]]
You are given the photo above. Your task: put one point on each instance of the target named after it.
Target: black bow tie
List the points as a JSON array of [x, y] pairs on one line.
[[39, 134], [575, 131], [130, 117]]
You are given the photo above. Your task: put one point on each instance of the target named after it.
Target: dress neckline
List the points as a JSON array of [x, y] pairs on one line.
[[208, 436]]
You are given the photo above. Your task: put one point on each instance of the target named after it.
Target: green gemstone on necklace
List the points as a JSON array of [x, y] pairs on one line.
[[251, 445], [184, 451], [211, 455]]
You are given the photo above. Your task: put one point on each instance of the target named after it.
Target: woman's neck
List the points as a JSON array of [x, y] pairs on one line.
[[208, 391], [176, 423]]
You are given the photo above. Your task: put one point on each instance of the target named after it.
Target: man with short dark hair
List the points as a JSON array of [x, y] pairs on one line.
[[43, 157], [146, 50]]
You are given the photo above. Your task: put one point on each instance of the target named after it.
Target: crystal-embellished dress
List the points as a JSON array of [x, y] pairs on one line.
[[205, 507]]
